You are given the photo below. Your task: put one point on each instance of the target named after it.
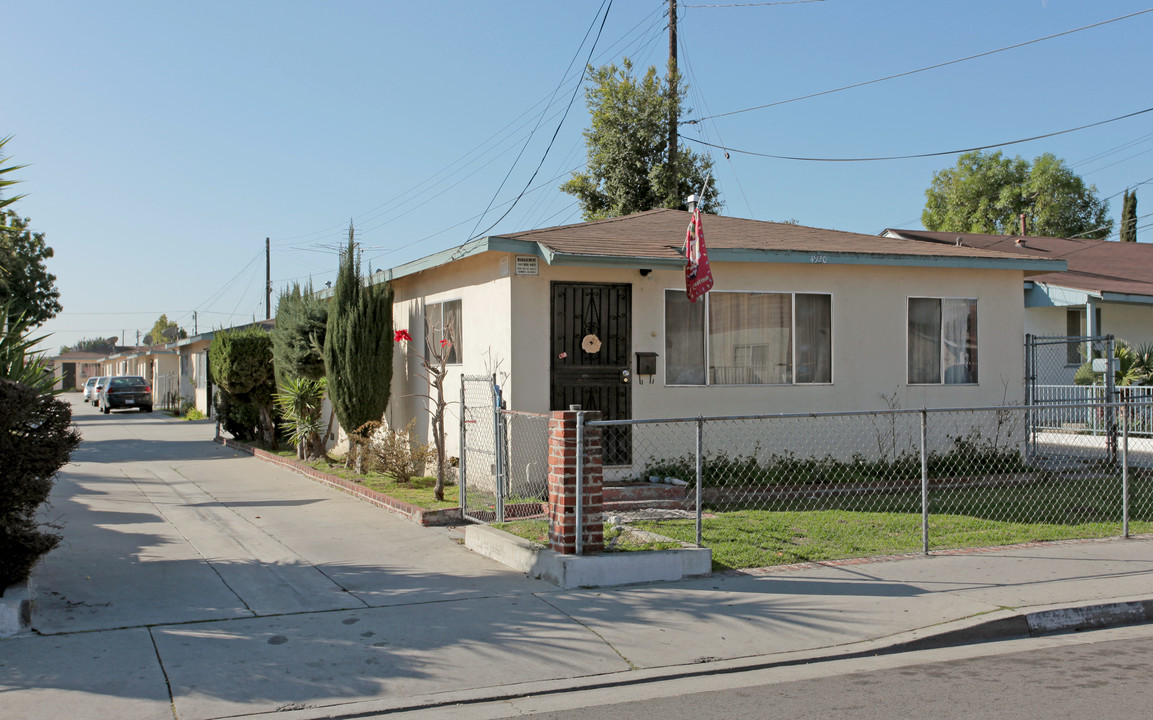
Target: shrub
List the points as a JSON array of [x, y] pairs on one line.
[[240, 421], [36, 440], [242, 368], [396, 452]]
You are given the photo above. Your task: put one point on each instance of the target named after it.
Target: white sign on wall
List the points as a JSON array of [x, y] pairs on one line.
[[527, 265]]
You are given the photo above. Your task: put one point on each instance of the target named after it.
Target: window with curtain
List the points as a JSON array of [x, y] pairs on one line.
[[942, 341], [442, 321], [684, 340], [732, 338]]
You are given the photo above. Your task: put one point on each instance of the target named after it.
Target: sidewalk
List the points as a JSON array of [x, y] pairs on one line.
[[208, 584]]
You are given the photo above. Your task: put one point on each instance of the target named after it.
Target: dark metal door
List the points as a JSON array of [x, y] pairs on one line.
[[69, 381], [591, 331]]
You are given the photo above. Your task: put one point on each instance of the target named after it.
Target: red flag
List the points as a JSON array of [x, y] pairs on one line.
[[698, 275]]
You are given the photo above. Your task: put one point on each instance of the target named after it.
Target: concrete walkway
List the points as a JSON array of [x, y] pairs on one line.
[[198, 583]]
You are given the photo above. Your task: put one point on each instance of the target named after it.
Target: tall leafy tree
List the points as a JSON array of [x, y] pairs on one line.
[[164, 330], [24, 278], [1129, 217], [988, 192], [627, 143], [358, 349]]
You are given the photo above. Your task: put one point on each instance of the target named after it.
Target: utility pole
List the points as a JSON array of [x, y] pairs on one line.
[[267, 280], [674, 104], [195, 327]]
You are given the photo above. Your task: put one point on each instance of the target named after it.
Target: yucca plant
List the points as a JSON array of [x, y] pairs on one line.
[[301, 402], [17, 360]]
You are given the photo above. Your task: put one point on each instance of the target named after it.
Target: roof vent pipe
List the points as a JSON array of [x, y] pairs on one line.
[[691, 202], [1022, 224]]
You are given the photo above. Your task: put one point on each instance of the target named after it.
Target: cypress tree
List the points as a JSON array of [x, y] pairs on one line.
[[298, 338], [1129, 217], [358, 349]]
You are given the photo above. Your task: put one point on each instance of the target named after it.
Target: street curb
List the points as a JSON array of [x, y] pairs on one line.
[[414, 513], [996, 626], [16, 610], [597, 570]]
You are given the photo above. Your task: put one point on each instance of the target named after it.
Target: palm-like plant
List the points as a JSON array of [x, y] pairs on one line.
[[17, 360], [1134, 366], [301, 402]]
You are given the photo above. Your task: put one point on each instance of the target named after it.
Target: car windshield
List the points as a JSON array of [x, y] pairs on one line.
[[126, 381]]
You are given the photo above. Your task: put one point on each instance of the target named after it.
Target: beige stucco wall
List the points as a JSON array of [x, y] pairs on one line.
[[506, 330], [485, 336], [869, 338]]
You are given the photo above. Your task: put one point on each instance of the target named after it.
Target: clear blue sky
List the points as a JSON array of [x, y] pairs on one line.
[[166, 141]]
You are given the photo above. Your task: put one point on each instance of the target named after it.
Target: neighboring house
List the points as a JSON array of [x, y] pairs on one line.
[[72, 369], [1106, 289], [800, 319]]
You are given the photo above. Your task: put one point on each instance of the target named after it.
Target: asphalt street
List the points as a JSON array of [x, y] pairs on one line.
[[195, 582]]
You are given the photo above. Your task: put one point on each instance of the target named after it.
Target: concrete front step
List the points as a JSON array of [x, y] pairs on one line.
[[635, 496]]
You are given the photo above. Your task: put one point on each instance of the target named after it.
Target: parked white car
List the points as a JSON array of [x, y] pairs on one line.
[[91, 389]]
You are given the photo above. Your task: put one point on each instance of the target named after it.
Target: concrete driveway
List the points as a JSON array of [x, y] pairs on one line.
[[196, 579]]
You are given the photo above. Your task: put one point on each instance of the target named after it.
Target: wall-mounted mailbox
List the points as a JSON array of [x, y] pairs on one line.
[[646, 363]]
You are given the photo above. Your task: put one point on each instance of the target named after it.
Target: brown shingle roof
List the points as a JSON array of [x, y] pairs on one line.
[[1097, 266], [660, 234]]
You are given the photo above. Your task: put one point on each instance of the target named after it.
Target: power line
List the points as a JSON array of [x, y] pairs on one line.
[[561, 123], [540, 119], [636, 34], [760, 4], [921, 155], [919, 70]]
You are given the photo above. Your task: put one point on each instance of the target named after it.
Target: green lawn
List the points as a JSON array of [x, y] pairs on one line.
[[808, 529], [418, 491]]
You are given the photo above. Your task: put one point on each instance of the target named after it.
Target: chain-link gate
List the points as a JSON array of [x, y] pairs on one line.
[[504, 455], [481, 477], [1069, 382]]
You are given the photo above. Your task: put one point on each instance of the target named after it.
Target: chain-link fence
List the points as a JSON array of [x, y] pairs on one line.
[[166, 392], [504, 455], [772, 490]]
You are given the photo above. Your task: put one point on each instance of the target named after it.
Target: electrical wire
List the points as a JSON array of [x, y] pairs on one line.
[[559, 125], [760, 4], [641, 30], [919, 70], [922, 155]]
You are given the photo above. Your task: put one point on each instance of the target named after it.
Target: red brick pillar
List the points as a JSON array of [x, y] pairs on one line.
[[562, 484]]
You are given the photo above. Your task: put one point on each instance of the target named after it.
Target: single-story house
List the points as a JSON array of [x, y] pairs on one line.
[[1107, 288], [800, 319], [72, 369]]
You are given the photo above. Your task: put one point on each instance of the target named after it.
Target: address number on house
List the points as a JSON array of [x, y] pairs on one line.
[[819, 259]]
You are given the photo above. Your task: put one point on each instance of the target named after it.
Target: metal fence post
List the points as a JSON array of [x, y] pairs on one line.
[[1030, 399], [463, 449], [1124, 473], [925, 481], [498, 451], [580, 466], [1110, 398], [700, 472]]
